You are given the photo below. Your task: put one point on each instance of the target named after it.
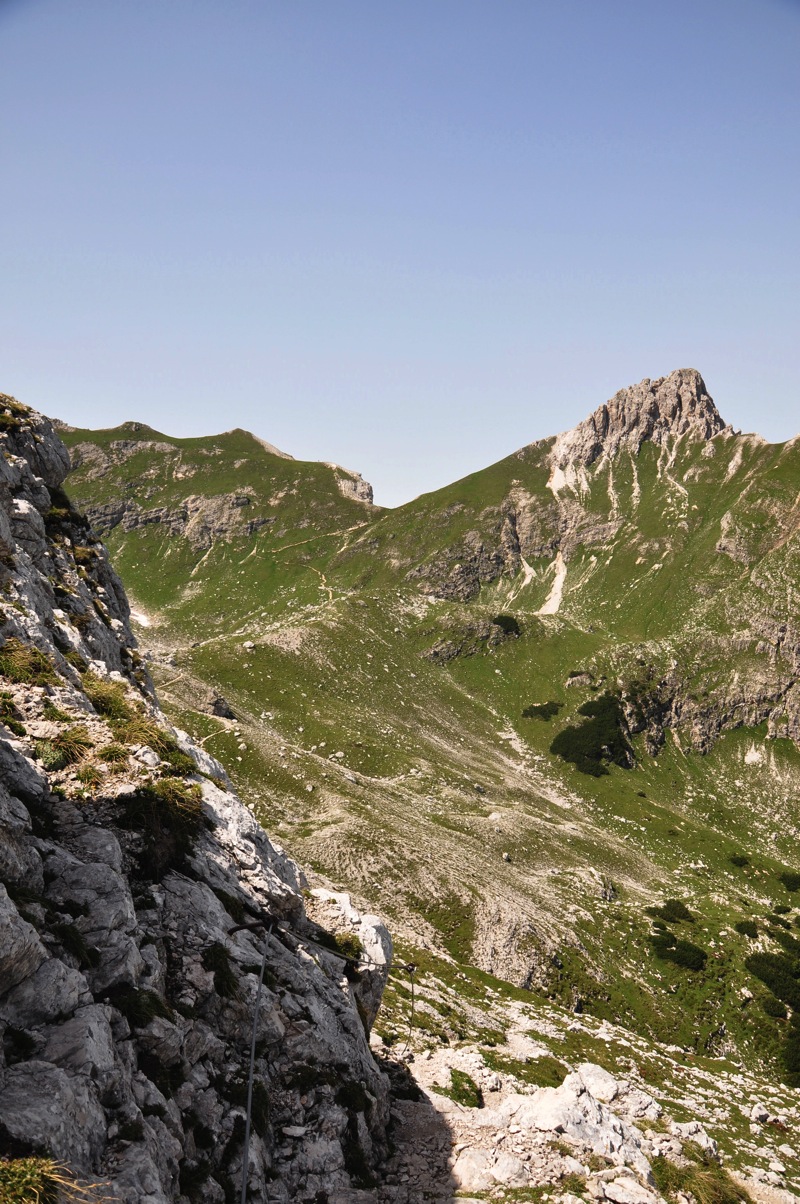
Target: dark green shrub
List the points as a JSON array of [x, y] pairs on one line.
[[777, 972], [747, 928], [782, 910], [739, 860], [786, 941], [599, 742], [685, 954], [680, 953], [790, 879], [507, 624], [673, 911], [791, 1053], [773, 1007], [139, 1007], [542, 710]]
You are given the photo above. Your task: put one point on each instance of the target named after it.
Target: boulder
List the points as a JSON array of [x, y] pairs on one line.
[[21, 951]]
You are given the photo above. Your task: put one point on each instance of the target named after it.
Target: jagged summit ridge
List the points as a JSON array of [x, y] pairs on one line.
[[657, 410]]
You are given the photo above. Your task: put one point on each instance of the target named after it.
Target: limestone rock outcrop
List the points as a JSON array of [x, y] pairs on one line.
[[660, 410]]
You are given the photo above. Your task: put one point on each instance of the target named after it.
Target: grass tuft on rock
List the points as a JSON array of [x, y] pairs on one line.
[[25, 664], [10, 714], [107, 697], [702, 1178], [462, 1090], [217, 959], [169, 815], [40, 1181]]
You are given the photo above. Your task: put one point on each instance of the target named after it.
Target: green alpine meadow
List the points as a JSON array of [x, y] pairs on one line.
[[521, 715]]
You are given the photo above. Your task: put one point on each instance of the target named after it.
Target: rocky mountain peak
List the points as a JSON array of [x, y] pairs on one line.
[[660, 410]]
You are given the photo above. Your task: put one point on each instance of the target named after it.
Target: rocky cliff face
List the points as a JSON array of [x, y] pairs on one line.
[[524, 526], [659, 411], [137, 897]]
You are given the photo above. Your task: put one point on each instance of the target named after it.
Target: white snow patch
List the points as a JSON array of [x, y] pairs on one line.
[[553, 599], [141, 618]]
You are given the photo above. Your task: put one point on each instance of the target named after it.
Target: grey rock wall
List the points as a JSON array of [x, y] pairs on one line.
[[127, 867]]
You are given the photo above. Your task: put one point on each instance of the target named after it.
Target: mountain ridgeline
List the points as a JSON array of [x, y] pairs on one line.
[[518, 711]]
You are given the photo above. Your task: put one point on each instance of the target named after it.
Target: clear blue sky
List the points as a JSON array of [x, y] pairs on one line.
[[405, 236]]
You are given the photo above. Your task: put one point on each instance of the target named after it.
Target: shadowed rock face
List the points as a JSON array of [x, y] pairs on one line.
[[126, 1000], [661, 410]]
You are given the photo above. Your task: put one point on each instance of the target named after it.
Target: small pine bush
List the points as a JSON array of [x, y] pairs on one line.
[[778, 973], [139, 1007], [673, 911], [600, 741], [542, 710], [507, 623], [169, 815], [747, 928], [681, 953]]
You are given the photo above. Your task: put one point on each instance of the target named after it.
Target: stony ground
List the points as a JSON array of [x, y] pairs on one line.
[[595, 1136]]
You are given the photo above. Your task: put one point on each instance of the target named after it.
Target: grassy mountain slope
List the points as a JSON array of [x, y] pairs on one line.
[[379, 723]]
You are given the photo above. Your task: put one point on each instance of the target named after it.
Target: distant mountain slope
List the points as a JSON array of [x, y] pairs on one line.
[[517, 710]]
